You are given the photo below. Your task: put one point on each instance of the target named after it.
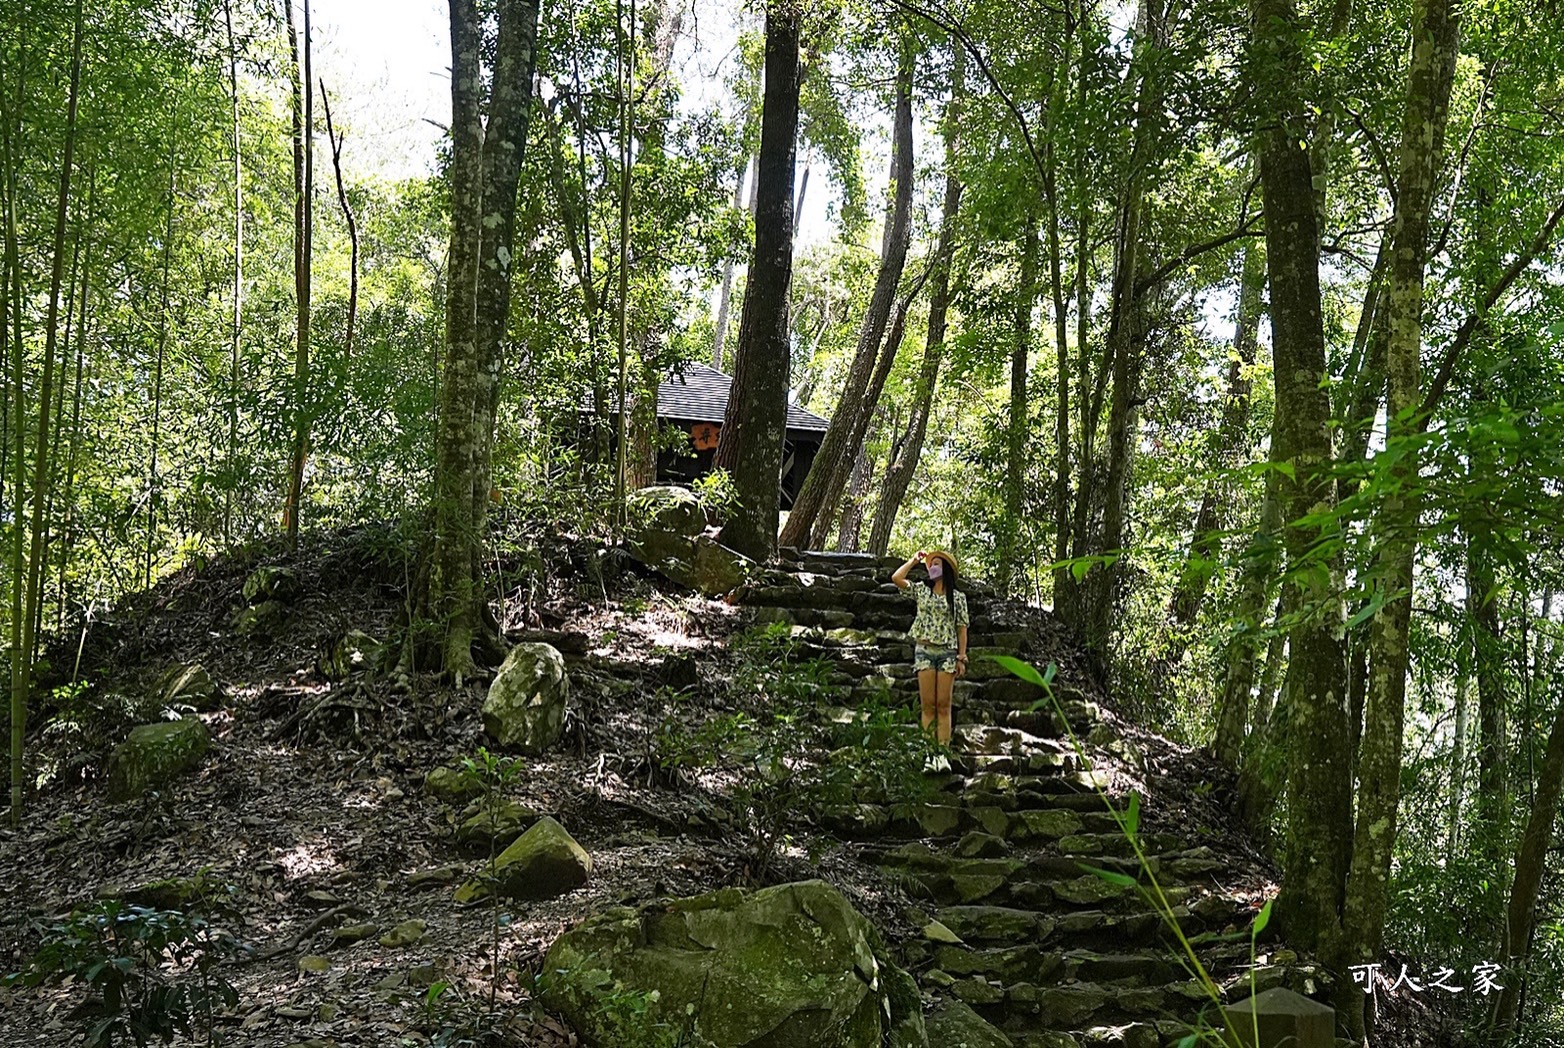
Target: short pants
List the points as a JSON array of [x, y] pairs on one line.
[[928, 657]]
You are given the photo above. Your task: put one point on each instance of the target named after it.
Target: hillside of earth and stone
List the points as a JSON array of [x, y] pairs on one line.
[[688, 809]]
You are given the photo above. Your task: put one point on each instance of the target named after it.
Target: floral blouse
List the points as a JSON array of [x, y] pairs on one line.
[[932, 625]]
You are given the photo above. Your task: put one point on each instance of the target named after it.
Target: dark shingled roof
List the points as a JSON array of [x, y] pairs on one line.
[[700, 394]]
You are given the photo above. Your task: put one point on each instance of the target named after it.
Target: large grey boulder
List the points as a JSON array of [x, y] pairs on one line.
[[153, 755], [525, 707], [791, 966], [667, 533]]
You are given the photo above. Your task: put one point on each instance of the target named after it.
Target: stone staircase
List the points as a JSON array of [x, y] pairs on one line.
[[1015, 929]]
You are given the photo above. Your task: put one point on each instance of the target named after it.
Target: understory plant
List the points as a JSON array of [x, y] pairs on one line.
[[1127, 819], [802, 755], [153, 973]]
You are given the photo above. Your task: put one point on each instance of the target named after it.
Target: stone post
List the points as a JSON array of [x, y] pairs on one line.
[[1284, 1020]]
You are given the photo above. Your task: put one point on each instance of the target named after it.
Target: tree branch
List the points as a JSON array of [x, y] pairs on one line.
[[1463, 334], [952, 27]]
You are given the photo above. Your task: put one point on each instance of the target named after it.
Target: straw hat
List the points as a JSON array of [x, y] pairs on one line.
[[950, 558]]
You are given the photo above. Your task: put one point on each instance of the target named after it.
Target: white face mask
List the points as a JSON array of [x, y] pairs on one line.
[[936, 569]]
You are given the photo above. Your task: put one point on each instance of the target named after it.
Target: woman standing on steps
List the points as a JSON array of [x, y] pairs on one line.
[[939, 635]]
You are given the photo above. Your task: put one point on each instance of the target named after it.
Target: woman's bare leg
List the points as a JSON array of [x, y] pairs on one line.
[[944, 683], [926, 693]]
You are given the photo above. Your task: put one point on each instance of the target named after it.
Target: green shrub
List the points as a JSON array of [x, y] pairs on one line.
[[156, 971]]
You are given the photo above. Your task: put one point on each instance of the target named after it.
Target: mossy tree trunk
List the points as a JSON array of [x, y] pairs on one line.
[[1319, 824], [754, 427], [1435, 42], [484, 172]]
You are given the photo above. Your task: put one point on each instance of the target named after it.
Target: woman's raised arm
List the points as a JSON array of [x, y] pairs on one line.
[[900, 575]]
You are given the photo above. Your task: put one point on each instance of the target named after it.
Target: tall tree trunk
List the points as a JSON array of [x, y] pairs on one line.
[[1244, 648], [816, 502], [1063, 580], [303, 226], [1493, 754], [626, 82], [1530, 867], [68, 546], [453, 587], [485, 171], [237, 325], [22, 653], [1435, 42], [1319, 824], [504, 145], [754, 427], [904, 460], [154, 484], [20, 667], [1458, 756], [857, 498], [1016, 428], [1206, 546], [1126, 329]]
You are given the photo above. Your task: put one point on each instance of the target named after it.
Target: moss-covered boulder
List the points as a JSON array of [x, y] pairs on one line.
[[494, 825], [791, 966], [667, 533], [153, 755], [715, 569], [190, 686], [272, 583], [453, 784], [525, 707], [543, 862], [955, 1025], [662, 523]]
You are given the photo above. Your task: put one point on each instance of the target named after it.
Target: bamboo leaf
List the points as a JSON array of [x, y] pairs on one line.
[[1021, 669], [1263, 918], [1121, 880]]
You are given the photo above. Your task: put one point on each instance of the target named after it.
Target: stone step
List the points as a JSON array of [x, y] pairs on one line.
[[1132, 929]]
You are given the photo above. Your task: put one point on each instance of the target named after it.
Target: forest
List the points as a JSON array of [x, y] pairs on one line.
[[369, 524]]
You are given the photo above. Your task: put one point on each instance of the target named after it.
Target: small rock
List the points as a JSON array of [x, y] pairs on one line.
[[405, 934], [437, 875], [934, 931], [494, 828], [313, 963], [321, 900], [542, 863], [453, 784], [190, 686], [353, 653], [259, 621], [349, 934]]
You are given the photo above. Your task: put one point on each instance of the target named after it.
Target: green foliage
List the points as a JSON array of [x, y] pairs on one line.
[[154, 973], [623, 1016], [791, 760]]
